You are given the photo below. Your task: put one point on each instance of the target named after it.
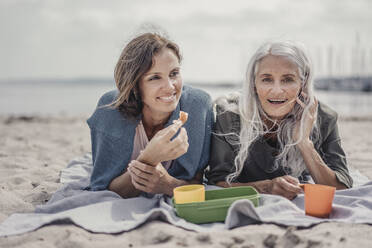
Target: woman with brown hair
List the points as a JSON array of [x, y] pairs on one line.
[[138, 143]]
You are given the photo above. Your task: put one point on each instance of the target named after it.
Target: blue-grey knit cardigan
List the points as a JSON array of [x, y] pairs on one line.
[[112, 137]]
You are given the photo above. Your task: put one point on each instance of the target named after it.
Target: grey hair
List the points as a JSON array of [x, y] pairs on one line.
[[252, 115]]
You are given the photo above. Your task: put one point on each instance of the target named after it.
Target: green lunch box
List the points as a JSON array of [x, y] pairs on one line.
[[216, 204]]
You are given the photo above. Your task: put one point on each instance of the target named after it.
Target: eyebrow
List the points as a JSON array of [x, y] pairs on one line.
[[265, 75], [156, 73], [152, 73], [270, 75]]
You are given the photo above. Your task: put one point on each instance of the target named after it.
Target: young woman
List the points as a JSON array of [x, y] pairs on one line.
[[138, 144], [276, 134]]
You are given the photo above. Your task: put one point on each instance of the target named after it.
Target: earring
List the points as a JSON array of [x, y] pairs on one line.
[[135, 94]]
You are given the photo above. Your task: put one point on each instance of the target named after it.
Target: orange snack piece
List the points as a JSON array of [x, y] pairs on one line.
[[183, 117]]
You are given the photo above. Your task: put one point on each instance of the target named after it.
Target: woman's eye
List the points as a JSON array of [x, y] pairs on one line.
[[288, 80], [174, 73], [266, 80], [153, 78]]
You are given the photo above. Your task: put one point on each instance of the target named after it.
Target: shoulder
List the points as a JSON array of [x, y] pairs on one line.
[[227, 113], [327, 119], [195, 96], [227, 103], [327, 116], [107, 119], [108, 98]]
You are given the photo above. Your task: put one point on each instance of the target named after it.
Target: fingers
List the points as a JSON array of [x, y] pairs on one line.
[[286, 186], [306, 100], [312, 111], [138, 179], [278, 190], [294, 185], [178, 152], [140, 175], [140, 169], [181, 138], [291, 179], [148, 178], [291, 187], [180, 144], [171, 130], [301, 102], [139, 186], [314, 108], [298, 100]]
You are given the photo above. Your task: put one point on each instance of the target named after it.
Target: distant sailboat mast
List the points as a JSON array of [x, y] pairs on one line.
[[355, 67], [330, 61]]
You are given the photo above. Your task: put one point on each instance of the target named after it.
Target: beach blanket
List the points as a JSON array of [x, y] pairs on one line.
[[107, 212]]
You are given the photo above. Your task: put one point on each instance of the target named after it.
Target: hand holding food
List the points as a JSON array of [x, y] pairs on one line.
[[162, 148]]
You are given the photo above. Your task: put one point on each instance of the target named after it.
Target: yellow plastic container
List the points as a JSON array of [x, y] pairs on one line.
[[216, 204], [189, 193]]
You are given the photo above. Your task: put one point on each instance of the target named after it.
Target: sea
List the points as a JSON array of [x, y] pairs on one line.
[[79, 97]]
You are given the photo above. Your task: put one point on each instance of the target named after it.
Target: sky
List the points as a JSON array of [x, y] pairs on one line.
[[84, 38]]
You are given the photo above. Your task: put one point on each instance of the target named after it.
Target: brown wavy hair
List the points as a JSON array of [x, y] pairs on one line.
[[136, 59]]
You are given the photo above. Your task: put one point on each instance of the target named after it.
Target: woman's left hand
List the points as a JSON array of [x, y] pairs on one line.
[[310, 119], [150, 179]]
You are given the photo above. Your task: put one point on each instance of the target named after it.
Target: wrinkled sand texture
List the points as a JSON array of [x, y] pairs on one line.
[[34, 150]]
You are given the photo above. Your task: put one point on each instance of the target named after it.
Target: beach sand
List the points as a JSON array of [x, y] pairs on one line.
[[35, 149]]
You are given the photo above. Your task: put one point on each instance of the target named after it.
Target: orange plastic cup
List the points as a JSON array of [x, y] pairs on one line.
[[189, 193], [318, 199]]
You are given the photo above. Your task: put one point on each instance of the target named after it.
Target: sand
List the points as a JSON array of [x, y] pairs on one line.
[[35, 149]]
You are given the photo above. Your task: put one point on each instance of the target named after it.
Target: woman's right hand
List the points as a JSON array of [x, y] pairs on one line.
[[286, 186], [162, 148]]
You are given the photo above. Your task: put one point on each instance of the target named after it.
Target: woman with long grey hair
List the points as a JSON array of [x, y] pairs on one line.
[[275, 134]]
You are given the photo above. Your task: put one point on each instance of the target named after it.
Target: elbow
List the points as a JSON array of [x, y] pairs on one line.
[[111, 187], [341, 186], [223, 184]]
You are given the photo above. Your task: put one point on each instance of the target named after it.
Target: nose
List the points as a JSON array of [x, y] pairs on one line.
[[169, 83], [277, 88]]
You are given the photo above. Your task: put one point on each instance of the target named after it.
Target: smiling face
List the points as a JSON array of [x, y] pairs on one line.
[[161, 86], [277, 85]]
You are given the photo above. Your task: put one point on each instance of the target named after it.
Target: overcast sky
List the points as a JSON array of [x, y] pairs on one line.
[[83, 38]]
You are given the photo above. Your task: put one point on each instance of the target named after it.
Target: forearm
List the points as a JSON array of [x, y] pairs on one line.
[[123, 186], [263, 186], [318, 169]]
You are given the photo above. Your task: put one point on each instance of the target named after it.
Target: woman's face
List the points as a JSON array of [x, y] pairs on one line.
[[278, 85], [161, 86]]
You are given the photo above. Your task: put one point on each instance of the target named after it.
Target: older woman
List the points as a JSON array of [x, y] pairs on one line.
[[276, 134], [138, 144]]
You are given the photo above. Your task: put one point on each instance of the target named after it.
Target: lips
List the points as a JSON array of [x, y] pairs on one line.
[[168, 98], [277, 101]]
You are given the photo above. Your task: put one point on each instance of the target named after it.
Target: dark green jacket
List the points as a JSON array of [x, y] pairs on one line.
[[224, 149]]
